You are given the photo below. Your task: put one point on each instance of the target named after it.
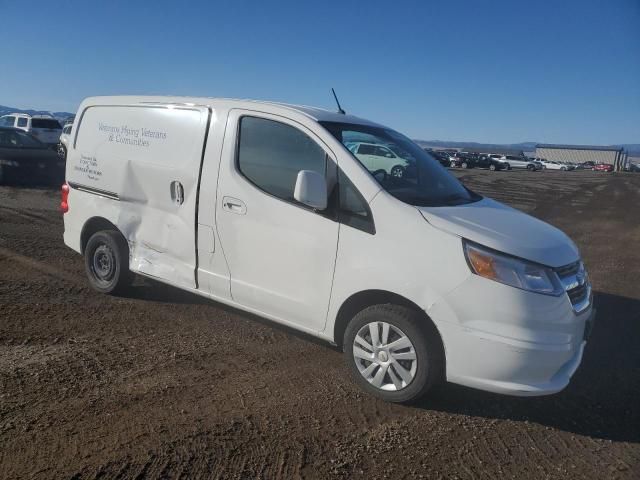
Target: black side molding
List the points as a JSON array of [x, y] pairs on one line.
[[94, 191]]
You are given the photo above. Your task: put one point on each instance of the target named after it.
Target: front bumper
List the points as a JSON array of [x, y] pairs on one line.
[[504, 340]]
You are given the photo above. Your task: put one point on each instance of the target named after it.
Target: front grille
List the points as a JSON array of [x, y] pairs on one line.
[[575, 281]]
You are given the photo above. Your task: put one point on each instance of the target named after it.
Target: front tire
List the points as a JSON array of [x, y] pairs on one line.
[[106, 260], [393, 352], [492, 167]]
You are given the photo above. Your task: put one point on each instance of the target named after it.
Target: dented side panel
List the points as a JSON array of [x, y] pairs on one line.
[[149, 158]]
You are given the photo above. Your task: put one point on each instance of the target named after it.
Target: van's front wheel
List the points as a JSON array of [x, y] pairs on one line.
[[393, 352], [106, 260]]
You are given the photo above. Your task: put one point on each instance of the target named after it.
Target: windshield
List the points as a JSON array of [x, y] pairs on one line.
[[45, 123], [400, 166]]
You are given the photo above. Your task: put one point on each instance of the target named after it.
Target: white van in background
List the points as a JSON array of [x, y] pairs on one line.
[[44, 127], [263, 207]]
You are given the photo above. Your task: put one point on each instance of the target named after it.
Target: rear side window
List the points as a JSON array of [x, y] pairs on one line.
[[367, 150], [22, 122], [45, 123], [270, 155], [6, 121]]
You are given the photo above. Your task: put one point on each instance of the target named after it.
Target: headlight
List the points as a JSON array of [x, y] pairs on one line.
[[512, 271]]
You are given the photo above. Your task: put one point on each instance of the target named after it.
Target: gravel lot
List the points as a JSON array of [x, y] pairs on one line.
[[166, 384]]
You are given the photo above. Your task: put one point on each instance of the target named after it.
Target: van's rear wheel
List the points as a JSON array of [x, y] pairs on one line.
[[393, 352], [106, 260]]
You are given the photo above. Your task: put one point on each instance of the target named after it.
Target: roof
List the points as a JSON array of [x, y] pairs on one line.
[[318, 114], [27, 115], [581, 147]]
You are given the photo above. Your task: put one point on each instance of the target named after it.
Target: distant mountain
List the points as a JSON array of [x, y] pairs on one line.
[[60, 116], [632, 148]]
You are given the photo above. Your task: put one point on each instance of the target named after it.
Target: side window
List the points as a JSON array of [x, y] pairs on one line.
[[352, 207], [270, 155], [384, 152], [6, 121], [367, 150], [22, 122]]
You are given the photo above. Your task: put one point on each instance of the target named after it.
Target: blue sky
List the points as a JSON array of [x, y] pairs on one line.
[[488, 71]]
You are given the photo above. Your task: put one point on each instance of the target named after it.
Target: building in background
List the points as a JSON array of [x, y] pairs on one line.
[[615, 156]]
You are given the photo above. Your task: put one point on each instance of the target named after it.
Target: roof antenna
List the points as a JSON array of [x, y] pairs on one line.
[[340, 110]]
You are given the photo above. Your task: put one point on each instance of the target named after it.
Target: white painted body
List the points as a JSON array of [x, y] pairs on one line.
[[234, 243], [552, 165], [519, 162]]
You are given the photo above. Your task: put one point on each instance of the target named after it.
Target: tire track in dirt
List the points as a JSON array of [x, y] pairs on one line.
[[164, 384]]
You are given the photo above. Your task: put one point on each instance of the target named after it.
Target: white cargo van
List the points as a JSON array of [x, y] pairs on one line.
[[262, 206]]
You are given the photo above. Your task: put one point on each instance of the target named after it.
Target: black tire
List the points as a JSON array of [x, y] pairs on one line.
[[507, 166], [452, 164], [61, 150], [531, 168], [106, 261], [426, 342], [397, 171], [492, 167], [465, 165]]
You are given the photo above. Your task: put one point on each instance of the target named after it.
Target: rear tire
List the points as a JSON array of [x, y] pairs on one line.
[[465, 165], [397, 171], [62, 151], [508, 167], [106, 260], [492, 167], [404, 359]]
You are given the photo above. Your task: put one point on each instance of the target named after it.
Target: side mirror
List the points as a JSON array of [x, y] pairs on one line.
[[311, 189]]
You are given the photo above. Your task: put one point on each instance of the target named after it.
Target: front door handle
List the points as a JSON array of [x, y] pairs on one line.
[[234, 205]]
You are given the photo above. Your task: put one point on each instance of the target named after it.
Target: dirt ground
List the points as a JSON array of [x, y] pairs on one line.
[[164, 384]]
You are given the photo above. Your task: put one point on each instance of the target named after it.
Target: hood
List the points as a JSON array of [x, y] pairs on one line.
[[505, 229]]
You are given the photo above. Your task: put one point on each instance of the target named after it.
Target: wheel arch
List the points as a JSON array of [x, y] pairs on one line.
[[366, 298], [94, 225]]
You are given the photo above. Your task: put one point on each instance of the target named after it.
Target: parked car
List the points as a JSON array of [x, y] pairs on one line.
[[44, 127], [441, 157], [587, 165], [603, 167], [63, 143], [462, 160], [553, 165], [380, 158], [261, 206], [538, 162], [490, 162], [512, 161], [25, 158]]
